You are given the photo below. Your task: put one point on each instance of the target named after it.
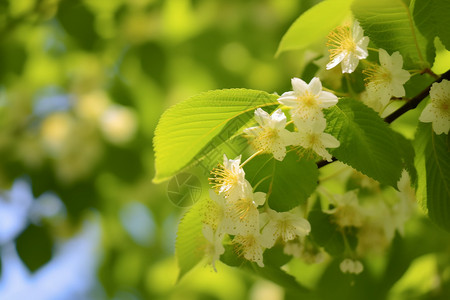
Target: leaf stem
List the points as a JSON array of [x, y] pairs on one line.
[[250, 158]]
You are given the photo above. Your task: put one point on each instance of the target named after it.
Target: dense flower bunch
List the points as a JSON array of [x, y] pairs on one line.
[[238, 216], [234, 210]]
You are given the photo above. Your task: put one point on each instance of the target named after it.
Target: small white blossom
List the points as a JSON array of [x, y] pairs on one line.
[[241, 215], [252, 246], [307, 100], [375, 98], [215, 248], [270, 136], [229, 178], [285, 225], [347, 47], [387, 79], [214, 211], [437, 110], [312, 136], [347, 211], [351, 266]]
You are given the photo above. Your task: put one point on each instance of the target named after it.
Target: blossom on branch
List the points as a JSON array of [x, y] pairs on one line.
[[229, 177], [313, 137], [387, 79], [285, 225], [307, 100], [437, 110], [347, 47], [252, 246], [270, 136]]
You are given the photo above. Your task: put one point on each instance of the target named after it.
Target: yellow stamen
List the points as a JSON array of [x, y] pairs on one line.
[[223, 178], [377, 74], [340, 40]]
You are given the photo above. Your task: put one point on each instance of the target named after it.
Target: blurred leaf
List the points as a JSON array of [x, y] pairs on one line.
[[314, 24], [406, 149], [190, 244], [326, 233], [34, 247], [389, 25], [275, 256], [79, 22], [431, 18], [367, 143], [281, 278], [201, 123], [433, 167], [288, 183]]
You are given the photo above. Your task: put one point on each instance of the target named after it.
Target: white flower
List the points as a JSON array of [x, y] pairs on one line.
[[215, 247], [403, 210], [375, 98], [286, 225], [388, 78], [311, 136], [351, 266], [347, 211], [252, 246], [307, 100], [271, 136], [438, 110], [214, 211], [241, 215], [229, 178], [347, 47]]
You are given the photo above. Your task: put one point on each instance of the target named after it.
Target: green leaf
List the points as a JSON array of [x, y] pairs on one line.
[[279, 277], [433, 168], [288, 183], [431, 18], [325, 233], [314, 24], [407, 151], [190, 240], [193, 129], [367, 143], [389, 25]]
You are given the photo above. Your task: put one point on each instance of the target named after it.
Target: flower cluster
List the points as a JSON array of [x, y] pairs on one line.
[[234, 209], [306, 102], [240, 216]]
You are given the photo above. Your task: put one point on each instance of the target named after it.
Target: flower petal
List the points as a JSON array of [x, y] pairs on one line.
[[349, 64], [278, 119], [262, 117], [315, 86], [327, 99], [329, 141], [299, 86], [336, 60]]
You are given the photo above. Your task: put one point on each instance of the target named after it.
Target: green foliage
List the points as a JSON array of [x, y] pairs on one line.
[[289, 183], [389, 25], [326, 233], [431, 18], [314, 24], [433, 167], [190, 243], [367, 143], [200, 124]]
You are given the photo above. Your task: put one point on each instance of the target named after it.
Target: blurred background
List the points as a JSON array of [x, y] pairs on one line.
[[82, 86]]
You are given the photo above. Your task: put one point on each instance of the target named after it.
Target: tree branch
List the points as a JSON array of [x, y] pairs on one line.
[[411, 104]]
